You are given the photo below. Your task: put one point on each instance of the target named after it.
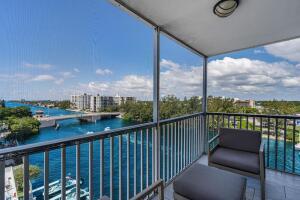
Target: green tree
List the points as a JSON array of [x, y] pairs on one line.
[[66, 104], [34, 172], [137, 111], [23, 127], [219, 104], [17, 112], [279, 107], [170, 106]]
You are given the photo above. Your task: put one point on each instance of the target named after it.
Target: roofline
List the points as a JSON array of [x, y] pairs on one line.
[[179, 41], [152, 24]]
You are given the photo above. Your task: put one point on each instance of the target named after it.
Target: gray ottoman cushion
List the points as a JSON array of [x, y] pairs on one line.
[[207, 183]]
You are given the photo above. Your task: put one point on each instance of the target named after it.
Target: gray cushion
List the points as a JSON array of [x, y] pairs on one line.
[[241, 160], [239, 139], [207, 183]]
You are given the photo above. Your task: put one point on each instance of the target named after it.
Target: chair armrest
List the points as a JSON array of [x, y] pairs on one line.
[[261, 148], [262, 159], [210, 151], [213, 139]]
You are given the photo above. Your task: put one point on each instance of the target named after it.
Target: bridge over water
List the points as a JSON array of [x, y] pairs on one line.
[[89, 117]]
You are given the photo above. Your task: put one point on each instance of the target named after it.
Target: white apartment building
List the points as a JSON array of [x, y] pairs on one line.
[[81, 102], [98, 102], [118, 100]]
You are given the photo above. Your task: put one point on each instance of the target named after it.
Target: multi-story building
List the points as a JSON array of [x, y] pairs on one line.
[[81, 102], [245, 103], [118, 100], [98, 102]]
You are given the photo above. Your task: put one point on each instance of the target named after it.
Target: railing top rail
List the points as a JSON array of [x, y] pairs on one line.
[[165, 121], [8, 153], [11, 152], [256, 115]]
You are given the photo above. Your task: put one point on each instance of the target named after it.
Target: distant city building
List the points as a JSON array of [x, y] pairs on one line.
[[81, 102], [118, 100], [98, 102], [245, 103]]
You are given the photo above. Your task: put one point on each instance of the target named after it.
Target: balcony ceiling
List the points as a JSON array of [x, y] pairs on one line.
[[193, 23]]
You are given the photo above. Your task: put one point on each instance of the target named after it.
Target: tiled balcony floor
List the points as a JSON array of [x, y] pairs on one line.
[[279, 186]]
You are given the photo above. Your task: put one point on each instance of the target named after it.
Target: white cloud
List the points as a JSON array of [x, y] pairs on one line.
[[134, 85], [76, 70], [103, 71], [248, 76], [169, 64], [131, 85], [59, 81], [44, 77], [289, 50], [67, 74], [98, 87], [243, 78], [17, 76], [291, 82], [38, 65]]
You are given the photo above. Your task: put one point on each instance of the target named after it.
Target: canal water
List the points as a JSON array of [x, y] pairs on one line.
[[73, 127]]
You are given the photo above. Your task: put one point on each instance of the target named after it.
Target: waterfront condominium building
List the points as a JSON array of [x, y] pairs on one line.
[[81, 102], [99, 102], [118, 100], [245, 103]]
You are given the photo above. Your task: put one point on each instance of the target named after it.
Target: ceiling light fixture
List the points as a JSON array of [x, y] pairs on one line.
[[224, 8]]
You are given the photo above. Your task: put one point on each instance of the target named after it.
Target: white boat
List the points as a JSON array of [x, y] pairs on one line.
[[107, 128], [55, 187], [71, 194], [297, 147], [89, 132]]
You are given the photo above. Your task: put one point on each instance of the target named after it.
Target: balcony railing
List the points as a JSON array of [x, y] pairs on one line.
[[280, 135], [123, 162], [120, 163]]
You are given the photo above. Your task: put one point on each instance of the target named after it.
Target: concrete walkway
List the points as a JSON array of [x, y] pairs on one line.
[[10, 185]]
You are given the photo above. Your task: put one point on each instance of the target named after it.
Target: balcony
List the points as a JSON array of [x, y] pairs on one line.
[[127, 162], [126, 157]]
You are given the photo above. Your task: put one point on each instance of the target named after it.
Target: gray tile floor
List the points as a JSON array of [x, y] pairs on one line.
[[279, 186]]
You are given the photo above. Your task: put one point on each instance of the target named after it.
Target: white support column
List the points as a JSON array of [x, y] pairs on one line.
[[204, 104], [156, 96]]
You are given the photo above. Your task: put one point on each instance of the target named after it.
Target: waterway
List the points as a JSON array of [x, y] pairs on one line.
[[70, 128], [73, 127]]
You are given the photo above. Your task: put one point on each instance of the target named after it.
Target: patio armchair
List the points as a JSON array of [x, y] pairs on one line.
[[239, 151]]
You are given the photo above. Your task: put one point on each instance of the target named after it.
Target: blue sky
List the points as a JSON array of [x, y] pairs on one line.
[[52, 49]]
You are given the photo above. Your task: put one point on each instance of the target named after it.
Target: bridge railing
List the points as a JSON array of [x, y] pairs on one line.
[[117, 163]]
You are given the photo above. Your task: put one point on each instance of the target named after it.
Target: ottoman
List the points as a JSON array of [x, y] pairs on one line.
[[208, 183]]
